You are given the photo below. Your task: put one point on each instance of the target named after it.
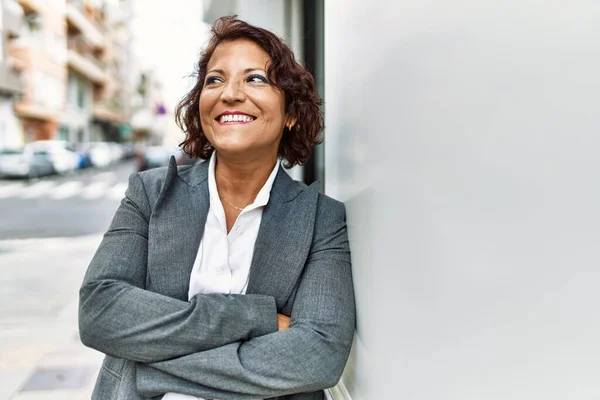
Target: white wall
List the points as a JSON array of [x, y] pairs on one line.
[[464, 137], [268, 14]]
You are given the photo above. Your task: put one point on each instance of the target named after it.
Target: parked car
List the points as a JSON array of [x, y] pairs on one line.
[[25, 163], [116, 150], [159, 156], [128, 150], [63, 158], [85, 160], [99, 153]]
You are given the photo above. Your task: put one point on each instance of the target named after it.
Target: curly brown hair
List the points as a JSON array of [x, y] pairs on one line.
[[302, 101]]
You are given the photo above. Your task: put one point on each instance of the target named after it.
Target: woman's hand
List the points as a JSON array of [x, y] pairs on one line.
[[283, 322]]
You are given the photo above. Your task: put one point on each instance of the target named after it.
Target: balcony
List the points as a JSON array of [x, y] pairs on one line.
[[102, 112], [12, 18], [82, 46], [93, 32], [80, 59], [10, 80], [41, 112], [30, 5]]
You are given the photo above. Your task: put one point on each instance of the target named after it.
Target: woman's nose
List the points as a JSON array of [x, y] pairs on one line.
[[232, 92]]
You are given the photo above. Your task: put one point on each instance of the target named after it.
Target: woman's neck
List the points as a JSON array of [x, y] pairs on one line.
[[241, 181]]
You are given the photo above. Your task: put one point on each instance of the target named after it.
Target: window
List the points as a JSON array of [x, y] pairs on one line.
[[63, 132], [78, 91], [80, 94]]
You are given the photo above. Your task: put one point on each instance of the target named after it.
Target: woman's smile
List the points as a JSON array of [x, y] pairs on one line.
[[234, 118]]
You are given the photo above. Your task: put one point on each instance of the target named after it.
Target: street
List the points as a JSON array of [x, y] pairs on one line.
[[59, 206], [49, 230]]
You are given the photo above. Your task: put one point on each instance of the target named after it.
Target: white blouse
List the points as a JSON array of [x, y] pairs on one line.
[[222, 264]]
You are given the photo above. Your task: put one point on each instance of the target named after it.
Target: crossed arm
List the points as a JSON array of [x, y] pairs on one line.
[[221, 346], [119, 318], [308, 356]]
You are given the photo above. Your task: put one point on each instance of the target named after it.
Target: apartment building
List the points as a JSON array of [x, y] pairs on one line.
[[40, 54], [97, 40], [72, 58]]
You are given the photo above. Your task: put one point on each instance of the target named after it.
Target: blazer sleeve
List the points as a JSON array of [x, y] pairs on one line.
[[118, 317], [308, 356]]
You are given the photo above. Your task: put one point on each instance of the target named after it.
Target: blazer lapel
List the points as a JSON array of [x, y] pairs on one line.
[[280, 251], [284, 239], [177, 227]]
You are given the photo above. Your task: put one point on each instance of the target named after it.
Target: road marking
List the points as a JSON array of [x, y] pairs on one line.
[[94, 191], [66, 190], [117, 191], [108, 175], [37, 190], [11, 189]]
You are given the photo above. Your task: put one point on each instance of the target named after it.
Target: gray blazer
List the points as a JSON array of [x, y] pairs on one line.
[[134, 306]]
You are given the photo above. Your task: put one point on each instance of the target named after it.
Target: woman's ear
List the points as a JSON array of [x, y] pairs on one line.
[[290, 122]]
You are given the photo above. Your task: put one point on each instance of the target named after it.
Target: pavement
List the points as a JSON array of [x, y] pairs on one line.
[[41, 356], [49, 231]]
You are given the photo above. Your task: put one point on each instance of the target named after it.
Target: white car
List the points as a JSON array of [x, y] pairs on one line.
[[63, 159], [24, 164], [99, 152]]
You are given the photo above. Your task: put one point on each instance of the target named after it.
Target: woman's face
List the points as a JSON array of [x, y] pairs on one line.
[[240, 112]]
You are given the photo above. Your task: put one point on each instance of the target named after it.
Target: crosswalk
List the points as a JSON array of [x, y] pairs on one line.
[[55, 190]]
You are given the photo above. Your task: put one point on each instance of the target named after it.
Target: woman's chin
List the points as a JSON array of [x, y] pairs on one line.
[[236, 151], [244, 152], [233, 148]]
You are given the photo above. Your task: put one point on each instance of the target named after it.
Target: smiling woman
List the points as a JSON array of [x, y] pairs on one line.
[[227, 279], [241, 112], [265, 68]]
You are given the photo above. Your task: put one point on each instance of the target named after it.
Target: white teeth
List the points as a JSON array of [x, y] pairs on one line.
[[235, 118]]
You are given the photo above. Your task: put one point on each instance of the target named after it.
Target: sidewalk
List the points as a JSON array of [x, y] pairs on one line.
[[41, 357]]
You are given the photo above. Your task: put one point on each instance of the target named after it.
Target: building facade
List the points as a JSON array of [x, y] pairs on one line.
[[40, 52], [97, 54], [72, 58]]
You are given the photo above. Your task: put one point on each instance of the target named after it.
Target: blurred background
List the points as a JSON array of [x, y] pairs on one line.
[[462, 136]]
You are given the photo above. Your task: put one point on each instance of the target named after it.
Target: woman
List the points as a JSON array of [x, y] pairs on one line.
[[227, 279]]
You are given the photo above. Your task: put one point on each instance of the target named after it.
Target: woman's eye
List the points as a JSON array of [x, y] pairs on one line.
[[257, 79], [212, 79]]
